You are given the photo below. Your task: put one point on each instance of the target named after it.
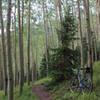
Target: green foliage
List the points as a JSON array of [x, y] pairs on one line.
[[95, 95], [96, 76], [85, 50], [61, 92], [43, 67], [98, 50], [77, 55], [68, 29], [78, 49], [27, 94], [44, 71], [63, 59], [43, 80], [61, 64]]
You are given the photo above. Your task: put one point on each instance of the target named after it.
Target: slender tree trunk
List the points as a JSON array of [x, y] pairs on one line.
[[4, 50], [22, 30], [72, 33], [81, 37], [34, 69], [52, 40], [56, 13], [35, 72], [46, 31], [99, 12], [66, 7], [86, 6], [28, 46], [92, 49], [21, 73], [73, 7], [57, 20], [32, 57], [94, 39], [10, 73], [1, 67], [60, 11], [95, 47], [98, 21], [15, 57], [37, 67]]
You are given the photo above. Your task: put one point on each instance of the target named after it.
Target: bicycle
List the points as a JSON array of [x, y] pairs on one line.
[[80, 83]]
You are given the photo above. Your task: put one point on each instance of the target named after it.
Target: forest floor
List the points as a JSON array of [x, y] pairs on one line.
[[26, 95], [40, 90], [60, 91], [41, 93]]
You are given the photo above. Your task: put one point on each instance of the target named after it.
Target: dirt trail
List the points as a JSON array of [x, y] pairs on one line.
[[41, 93]]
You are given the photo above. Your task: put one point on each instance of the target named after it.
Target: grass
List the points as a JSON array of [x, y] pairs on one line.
[[96, 73], [43, 80], [60, 92], [26, 95]]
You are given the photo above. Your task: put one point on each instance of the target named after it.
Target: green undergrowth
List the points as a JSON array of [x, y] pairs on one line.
[[61, 92], [44, 80], [26, 95]]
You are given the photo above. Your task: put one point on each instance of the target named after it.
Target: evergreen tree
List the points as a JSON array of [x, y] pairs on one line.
[[63, 59]]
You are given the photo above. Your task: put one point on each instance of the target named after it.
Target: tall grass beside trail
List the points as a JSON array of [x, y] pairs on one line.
[[60, 92], [95, 95], [26, 95], [96, 74]]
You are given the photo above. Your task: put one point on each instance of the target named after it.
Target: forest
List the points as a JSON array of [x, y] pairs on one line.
[[49, 49]]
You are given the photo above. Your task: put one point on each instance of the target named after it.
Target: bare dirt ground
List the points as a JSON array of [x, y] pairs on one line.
[[41, 93]]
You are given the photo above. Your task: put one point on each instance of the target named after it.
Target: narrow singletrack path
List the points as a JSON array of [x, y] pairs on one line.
[[41, 93]]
